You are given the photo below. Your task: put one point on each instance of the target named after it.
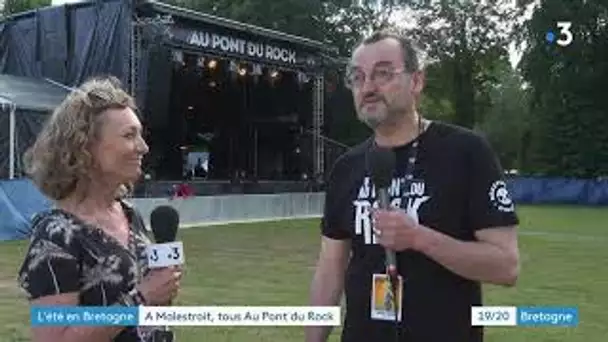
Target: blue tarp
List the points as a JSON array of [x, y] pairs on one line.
[[19, 201], [533, 190]]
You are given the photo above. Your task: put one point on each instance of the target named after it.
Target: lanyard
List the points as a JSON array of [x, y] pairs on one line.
[[411, 160], [409, 176]]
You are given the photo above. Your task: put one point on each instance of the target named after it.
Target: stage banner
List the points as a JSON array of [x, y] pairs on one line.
[[237, 45]]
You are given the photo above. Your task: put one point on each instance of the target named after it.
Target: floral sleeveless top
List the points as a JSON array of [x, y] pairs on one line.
[[66, 254]]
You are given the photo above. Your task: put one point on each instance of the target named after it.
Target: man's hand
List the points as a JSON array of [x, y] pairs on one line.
[[492, 258], [396, 230]]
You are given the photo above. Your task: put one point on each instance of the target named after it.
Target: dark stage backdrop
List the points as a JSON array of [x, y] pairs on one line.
[[68, 44], [27, 125]]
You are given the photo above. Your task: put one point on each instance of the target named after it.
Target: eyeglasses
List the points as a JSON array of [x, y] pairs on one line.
[[355, 78]]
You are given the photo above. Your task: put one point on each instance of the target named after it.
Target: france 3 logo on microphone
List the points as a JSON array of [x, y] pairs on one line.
[[563, 37], [165, 254]]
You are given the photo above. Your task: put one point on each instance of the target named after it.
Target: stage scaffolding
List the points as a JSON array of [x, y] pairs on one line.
[[158, 26], [318, 143], [134, 56]]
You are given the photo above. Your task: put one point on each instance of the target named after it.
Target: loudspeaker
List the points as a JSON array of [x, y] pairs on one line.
[[160, 72]]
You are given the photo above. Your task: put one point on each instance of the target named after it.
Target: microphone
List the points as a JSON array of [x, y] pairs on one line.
[[382, 164], [164, 221]]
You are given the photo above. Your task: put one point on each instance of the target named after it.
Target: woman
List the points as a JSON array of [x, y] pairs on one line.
[[90, 249]]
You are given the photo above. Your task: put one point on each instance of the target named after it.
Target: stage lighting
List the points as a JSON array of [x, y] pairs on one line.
[[242, 71], [212, 64], [274, 74]]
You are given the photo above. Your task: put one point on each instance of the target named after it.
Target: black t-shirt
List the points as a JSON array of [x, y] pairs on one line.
[[457, 188]]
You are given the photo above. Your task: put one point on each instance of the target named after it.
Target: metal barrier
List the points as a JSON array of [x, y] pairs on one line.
[[214, 210]]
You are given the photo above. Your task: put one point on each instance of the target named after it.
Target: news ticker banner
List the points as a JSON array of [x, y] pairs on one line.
[[556, 316], [272, 316], [185, 316]]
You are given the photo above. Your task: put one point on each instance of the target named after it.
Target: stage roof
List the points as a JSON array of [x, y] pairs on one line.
[[232, 24], [195, 15], [31, 93]]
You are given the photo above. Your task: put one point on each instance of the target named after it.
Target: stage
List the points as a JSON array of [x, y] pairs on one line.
[[227, 97], [232, 98]]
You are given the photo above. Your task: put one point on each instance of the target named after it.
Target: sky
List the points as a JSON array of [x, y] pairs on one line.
[[404, 18]]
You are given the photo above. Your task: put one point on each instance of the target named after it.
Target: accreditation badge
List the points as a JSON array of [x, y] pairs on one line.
[[383, 304]]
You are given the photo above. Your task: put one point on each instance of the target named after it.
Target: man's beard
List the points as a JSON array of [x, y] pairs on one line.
[[373, 121], [376, 117], [391, 114]]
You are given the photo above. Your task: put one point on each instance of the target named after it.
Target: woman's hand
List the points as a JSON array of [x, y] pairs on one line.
[[161, 285]]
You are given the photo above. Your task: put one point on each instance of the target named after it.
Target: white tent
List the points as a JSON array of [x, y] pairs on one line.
[[25, 104], [12, 108]]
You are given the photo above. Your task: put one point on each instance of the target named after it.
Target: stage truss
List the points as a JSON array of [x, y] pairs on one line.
[[318, 143], [161, 25], [134, 56]]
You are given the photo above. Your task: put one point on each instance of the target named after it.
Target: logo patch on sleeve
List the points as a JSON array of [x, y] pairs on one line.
[[500, 197]]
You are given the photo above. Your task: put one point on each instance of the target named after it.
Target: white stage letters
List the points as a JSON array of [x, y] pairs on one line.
[[240, 46]]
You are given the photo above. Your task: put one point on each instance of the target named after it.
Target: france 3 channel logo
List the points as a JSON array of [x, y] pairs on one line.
[[563, 37]]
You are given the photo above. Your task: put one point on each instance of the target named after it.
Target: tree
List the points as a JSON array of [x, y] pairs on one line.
[[18, 6], [467, 37], [295, 17], [507, 122], [437, 99], [338, 23], [568, 85]]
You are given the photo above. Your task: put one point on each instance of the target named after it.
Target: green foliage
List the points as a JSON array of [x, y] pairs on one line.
[[295, 17], [467, 38], [506, 124], [568, 85], [339, 23], [18, 6], [436, 102]]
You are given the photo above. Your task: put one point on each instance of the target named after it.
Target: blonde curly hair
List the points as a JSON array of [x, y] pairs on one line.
[[60, 158]]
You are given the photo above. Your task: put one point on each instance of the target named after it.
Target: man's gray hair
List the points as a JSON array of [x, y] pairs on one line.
[[411, 59]]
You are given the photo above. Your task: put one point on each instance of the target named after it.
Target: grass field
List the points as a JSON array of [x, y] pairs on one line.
[[563, 251]]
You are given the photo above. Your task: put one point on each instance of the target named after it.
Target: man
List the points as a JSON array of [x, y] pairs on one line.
[[453, 228]]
